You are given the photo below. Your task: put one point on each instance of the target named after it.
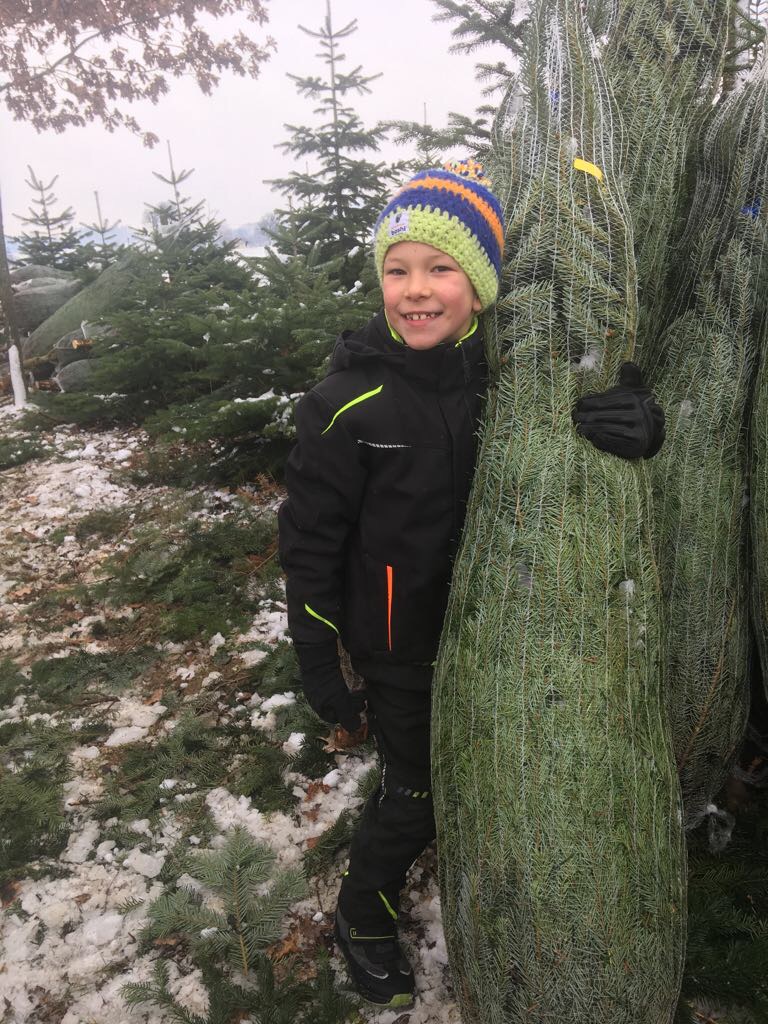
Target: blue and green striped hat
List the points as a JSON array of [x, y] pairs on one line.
[[453, 209]]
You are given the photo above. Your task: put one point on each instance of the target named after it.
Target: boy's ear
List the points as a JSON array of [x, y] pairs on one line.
[[476, 304]]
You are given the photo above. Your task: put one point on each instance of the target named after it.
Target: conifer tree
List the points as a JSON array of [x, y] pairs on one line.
[[334, 202], [556, 797], [705, 378], [80, 85], [53, 241], [105, 249]]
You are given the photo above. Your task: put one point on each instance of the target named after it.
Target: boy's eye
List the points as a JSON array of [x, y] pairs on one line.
[[394, 270], [443, 266]]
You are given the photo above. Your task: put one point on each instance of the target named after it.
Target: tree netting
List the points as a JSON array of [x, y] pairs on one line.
[[556, 798], [664, 63], [704, 378], [749, 128]]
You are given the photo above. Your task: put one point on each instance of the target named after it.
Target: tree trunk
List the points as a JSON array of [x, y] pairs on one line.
[[9, 314]]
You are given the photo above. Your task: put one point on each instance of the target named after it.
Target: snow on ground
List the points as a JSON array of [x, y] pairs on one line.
[[66, 950]]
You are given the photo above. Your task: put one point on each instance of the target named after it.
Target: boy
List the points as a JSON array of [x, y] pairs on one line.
[[377, 489]]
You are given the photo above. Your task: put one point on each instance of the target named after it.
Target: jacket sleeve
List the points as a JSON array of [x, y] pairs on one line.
[[325, 481]]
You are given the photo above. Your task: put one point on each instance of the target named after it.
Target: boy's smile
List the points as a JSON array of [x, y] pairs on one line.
[[428, 298]]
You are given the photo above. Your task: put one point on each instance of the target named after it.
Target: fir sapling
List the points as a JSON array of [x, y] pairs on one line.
[[253, 897], [562, 859]]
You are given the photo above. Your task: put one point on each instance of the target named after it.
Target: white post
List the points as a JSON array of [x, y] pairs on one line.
[[17, 378]]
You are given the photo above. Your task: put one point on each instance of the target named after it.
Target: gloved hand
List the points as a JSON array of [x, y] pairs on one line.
[[625, 420], [326, 691]]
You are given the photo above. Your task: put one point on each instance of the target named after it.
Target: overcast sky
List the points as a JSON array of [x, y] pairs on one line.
[[229, 138]]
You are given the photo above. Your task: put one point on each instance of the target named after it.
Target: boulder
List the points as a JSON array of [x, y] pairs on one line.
[[35, 300], [35, 271], [105, 295], [75, 376]]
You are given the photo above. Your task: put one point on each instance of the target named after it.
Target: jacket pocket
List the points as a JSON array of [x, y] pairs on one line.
[[405, 611]]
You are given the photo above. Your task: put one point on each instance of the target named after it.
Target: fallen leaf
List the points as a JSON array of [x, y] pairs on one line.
[[8, 893], [340, 739], [154, 697], [286, 947], [31, 499], [313, 789], [82, 898]]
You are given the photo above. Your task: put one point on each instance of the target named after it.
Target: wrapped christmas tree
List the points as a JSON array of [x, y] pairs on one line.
[[664, 64], [749, 122], [556, 799], [704, 379]]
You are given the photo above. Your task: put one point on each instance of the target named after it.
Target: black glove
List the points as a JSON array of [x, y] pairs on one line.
[[326, 691], [625, 420]]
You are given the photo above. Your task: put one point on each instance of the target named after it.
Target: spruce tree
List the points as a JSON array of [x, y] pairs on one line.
[[705, 377], [333, 203], [556, 797], [105, 250], [53, 241]]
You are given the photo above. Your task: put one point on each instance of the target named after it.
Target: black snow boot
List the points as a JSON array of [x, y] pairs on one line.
[[378, 968]]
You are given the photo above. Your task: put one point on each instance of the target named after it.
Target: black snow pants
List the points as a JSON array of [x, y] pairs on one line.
[[398, 820]]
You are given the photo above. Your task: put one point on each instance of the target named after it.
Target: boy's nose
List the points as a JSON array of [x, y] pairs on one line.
[[418, 284]]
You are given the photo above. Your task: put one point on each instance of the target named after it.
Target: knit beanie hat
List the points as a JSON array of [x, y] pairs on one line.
[[454, 210]]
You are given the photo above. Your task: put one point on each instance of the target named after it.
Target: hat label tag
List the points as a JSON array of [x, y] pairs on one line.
[[398, 223]]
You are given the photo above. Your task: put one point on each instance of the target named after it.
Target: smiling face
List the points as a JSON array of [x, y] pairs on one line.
[[428, 298]]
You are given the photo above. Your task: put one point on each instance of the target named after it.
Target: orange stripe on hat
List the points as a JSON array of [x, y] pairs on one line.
[[477, 201]]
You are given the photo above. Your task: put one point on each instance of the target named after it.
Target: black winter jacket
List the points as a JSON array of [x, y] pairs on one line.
[[377, 490]]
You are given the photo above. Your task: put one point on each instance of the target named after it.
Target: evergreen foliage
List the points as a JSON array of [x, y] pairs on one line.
[[664, 63], [270, 1001], [104, 523], [254, 898], [211, 351], [33, 769], [197, 577], [31, 807], [66, 682], [249, 920], [335, 201], [105, 250], [556, 798], [203, 757], [704, 378], [15, 451], [53, 242], [727, 945]]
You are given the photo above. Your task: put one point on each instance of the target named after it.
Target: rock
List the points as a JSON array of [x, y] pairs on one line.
[[107, 294], [36, 300], [75, 376], [34, 270]]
